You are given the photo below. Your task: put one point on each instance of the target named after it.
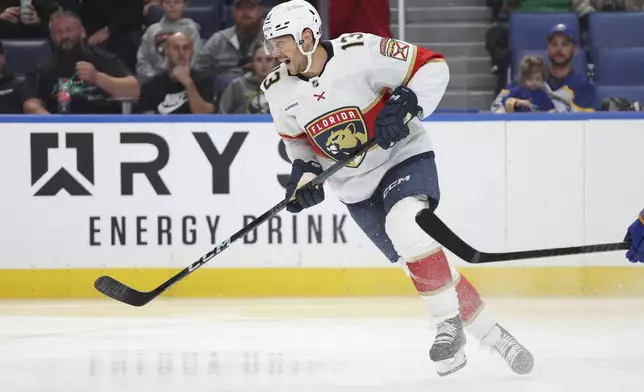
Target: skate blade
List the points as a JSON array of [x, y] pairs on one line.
[[451, 365]]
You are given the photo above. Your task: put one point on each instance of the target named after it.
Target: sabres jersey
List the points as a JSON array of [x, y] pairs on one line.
[[326, 117], [575, 94]]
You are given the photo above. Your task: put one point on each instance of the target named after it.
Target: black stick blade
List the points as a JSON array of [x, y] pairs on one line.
[[122, 293]]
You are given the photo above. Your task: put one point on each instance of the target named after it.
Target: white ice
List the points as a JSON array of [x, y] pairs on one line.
[[309, 345]]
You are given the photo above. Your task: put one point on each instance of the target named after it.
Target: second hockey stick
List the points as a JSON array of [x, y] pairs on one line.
[[439, 231], [123, 293]]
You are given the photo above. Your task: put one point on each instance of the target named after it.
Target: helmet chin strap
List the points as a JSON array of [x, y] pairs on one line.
[[309, 56]]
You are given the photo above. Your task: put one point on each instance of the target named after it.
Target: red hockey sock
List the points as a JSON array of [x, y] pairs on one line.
[[431, 273], [469, 301]]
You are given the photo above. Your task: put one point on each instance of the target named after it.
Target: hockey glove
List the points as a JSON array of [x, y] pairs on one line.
[[636, 235], [391, 123], [305, 196]]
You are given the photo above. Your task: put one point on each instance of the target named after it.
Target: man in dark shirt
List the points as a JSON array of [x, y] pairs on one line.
[[96, 80], [180, 90], [9, 102]]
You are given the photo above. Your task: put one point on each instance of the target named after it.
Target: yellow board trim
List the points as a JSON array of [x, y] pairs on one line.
[[325, 282]]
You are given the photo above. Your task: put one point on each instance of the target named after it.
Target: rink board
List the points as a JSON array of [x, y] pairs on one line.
[[139, 198]]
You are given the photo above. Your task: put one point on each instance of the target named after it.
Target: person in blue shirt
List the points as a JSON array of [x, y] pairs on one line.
[[635, 234], [570, 90], [527, 95]]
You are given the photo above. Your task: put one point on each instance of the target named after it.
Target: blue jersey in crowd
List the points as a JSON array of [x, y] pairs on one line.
[[576, 92], [538, 98]]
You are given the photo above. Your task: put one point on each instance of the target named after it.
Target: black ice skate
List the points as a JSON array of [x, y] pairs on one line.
[[517, 357], [447, 350]]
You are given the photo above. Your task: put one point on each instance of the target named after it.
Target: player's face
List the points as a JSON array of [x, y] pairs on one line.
[[534, 81], [262, 64], [561, 50], [285, 50]]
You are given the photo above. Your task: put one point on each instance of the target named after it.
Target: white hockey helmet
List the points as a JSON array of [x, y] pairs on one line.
[[292, 18]]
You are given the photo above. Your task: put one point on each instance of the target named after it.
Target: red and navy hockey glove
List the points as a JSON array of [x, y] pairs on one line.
[[391, 123], [636, 235], [305, 196]]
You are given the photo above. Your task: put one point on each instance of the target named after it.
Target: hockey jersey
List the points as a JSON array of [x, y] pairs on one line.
[[326, 117]]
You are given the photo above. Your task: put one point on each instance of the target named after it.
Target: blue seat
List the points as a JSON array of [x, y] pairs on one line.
[[22, 56], [208, 19], [579, 61], [619, 66], [529, 30], [633, 93], [616, 29]]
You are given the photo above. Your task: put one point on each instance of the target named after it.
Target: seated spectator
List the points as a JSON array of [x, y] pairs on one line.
[[244, 94], [539, 5], [81, 70], [115, 25], [150, 58], [586, 7], [227, 53], [570, 91], [527, 95], [27, 23], [179, 90], [365, 16], [9, 101]]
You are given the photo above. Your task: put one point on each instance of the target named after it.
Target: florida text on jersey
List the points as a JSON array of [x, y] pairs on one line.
[[326, 117]]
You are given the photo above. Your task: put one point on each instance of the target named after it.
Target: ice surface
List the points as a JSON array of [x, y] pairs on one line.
[[377, 344]]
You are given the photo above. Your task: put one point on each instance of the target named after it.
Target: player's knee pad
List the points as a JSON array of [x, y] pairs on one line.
[[409, 240]]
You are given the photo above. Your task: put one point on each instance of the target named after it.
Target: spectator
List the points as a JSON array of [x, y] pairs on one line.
[[539, 5], [115, 25], [571, 91], [90, 69], [9, 102], [227, 53], [527, 95], [244, 94], [365, 16], [29, 23], [150, 58], [179, 90], [586, 7]]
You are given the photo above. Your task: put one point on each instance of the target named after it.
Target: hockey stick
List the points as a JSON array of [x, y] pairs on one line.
[[436, 229], [120, 292]]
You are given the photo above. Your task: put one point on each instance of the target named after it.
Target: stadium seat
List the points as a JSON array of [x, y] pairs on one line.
[[529, 30], [616, 29], [619, 66], [23, 56], [579, 61], [633, 93], [207, 18]]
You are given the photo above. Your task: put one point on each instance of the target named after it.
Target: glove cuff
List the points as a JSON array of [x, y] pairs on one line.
[[641, 217]]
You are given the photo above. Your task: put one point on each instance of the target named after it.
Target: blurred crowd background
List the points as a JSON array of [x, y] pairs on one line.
[[206, 56]]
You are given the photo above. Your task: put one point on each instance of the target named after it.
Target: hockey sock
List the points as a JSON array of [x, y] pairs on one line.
[[475, 316]]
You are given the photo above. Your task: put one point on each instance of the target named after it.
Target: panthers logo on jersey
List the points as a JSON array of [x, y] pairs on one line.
[[336, 134]]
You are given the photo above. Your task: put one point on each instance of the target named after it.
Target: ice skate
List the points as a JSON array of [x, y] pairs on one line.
[[517, 356], [447, 350]]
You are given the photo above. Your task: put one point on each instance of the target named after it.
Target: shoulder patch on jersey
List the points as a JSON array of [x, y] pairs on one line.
[[339, 132], [395, 49]]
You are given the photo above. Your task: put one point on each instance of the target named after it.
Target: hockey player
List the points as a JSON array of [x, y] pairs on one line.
[[328, 98], [635, 234]]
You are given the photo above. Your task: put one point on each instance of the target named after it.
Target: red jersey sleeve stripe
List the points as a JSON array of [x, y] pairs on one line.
[[420, 57]]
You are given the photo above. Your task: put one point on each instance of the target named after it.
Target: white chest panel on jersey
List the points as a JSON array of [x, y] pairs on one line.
[[326, 117]]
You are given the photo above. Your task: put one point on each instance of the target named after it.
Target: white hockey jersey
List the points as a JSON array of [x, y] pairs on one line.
[[328, 116]]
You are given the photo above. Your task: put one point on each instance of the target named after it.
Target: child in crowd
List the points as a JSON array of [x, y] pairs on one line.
[[244, 94], [528, 95], [150, 57]]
